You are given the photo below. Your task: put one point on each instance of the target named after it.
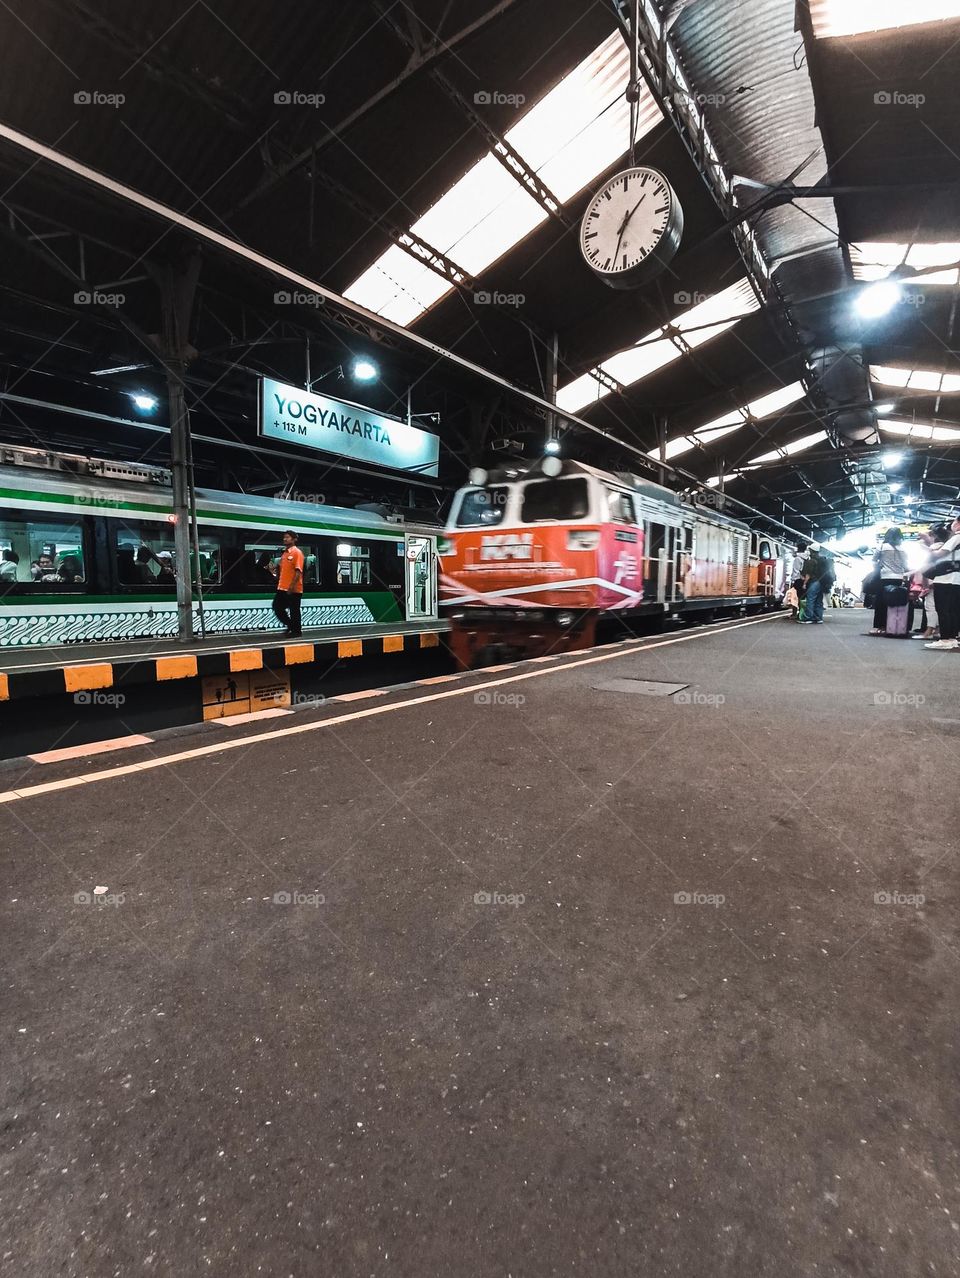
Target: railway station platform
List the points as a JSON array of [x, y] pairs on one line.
[[636, 961], [95, 693], [32, 671]]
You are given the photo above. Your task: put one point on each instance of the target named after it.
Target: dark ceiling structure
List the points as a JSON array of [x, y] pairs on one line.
[[808, 164]]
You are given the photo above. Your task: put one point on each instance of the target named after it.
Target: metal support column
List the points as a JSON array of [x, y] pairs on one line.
[[553, 353], [177, 286]]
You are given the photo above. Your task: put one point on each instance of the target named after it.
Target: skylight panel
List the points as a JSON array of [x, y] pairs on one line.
[[398, 287], [918, 430], [853, 17], [790, 450], [480, 217], [732, 421], [580, 127], [874, 260], [917, 379], [782, 397], [698, 324], [714, 480], [572, 135]]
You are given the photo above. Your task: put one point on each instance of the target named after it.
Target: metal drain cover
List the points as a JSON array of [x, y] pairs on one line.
[[641, 687]]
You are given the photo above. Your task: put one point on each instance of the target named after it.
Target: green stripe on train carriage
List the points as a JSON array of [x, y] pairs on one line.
[[105, 507]]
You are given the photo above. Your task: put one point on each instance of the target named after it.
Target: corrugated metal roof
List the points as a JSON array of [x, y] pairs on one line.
[[746, 61]]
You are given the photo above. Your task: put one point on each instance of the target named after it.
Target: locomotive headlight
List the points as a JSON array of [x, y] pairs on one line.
[[564, 618]]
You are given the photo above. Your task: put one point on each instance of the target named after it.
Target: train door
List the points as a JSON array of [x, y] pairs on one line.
[[668, 570], [682, 561], [420, 579], [766, 583], [655, 562]]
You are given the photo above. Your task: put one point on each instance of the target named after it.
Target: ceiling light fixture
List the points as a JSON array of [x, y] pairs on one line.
[[877, 300], [364, 370]]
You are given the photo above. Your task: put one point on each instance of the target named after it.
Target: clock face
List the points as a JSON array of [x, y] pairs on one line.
[[631, 228]]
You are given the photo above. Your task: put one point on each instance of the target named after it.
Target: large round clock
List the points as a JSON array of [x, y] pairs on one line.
[[632, 227]]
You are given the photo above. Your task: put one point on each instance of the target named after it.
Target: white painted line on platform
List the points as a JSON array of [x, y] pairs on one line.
[[93, 747], [200, 752], [251, 716]]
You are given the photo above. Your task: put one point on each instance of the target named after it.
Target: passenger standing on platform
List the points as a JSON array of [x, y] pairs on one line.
[[819, 576], [946, 594], [933, 539], [286, 602], [891, 563], [795, 575]]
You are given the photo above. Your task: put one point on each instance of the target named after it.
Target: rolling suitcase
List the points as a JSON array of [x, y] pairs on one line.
[[897, 621]]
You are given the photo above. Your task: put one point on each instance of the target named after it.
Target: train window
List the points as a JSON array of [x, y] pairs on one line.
[[765, 551], [262, 561], [146, 555], [621, 507], [554, 499], [483, 506], [47, 555], [353, 564]]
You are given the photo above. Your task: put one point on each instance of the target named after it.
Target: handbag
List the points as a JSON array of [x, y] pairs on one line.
[[940, 566], [895, 595]]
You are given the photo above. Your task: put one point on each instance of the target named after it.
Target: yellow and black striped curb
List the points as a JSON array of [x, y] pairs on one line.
[[89, 677]]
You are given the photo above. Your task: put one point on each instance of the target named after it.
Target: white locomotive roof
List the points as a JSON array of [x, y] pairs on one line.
[[631, 482]]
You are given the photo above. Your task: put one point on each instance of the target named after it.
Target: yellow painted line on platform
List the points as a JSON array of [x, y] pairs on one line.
[[4, 688], [438, 679], [176, 668], [430, 641], [362, 695], [350, 648], [246, 659], [393, 643], [86, 678], [297, 654], [201, 752], [93, 747]]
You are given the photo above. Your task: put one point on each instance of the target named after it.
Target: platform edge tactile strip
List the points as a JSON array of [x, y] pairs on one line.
[[18, 685]]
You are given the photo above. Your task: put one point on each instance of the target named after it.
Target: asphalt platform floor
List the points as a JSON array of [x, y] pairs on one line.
[[527, 972]]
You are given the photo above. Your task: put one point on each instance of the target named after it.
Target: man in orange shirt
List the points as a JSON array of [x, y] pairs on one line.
[[286, 602]]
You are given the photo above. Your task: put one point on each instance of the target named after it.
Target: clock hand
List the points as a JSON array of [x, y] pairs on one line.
[[623, 224]]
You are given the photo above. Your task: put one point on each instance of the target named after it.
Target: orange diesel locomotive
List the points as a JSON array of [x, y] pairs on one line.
[[532, 564]]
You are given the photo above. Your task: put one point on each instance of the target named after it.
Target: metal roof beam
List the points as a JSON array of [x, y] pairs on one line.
[[419, 61]]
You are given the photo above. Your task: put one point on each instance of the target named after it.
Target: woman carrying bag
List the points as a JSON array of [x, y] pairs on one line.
[[946, 590], [890, 564]]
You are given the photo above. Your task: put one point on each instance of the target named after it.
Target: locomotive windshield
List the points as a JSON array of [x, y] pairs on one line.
[[554, 499], [483, 507]]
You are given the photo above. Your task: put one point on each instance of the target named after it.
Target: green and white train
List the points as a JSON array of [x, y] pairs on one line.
[[87, 555]]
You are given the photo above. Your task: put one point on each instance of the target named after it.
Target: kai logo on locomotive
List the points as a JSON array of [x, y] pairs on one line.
[[501, 546]]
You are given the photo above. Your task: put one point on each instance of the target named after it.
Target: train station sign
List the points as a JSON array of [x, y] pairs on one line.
[[302, 417]]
